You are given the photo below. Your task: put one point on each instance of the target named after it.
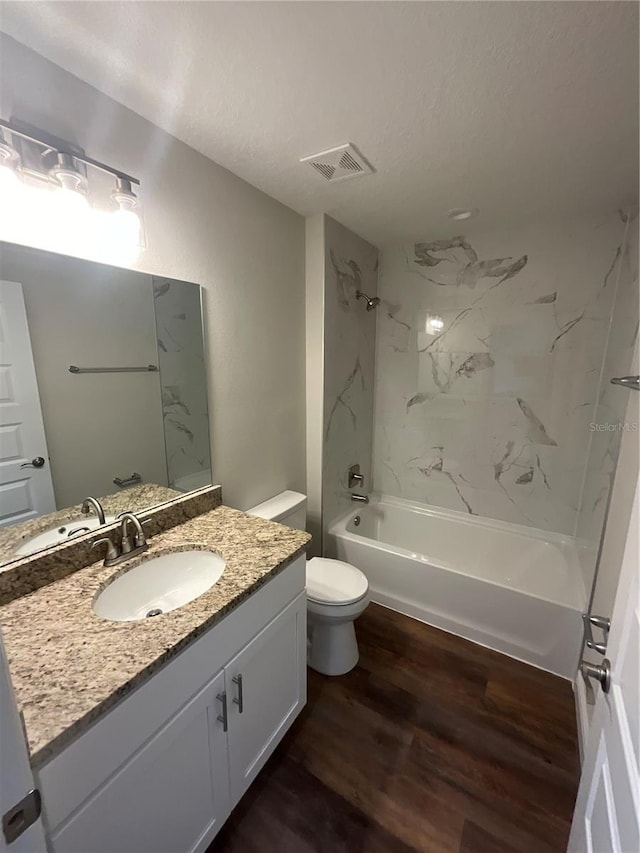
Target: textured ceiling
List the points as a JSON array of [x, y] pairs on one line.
[[523, 109]]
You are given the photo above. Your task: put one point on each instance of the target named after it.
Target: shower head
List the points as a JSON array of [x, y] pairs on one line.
[[371, 302]]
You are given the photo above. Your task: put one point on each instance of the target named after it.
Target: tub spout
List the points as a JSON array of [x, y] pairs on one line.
[[362, 499]]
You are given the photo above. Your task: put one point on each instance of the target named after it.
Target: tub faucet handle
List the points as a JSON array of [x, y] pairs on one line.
[[355, 477]]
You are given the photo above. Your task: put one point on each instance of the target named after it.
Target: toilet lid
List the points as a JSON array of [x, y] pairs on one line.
[[334, 582]]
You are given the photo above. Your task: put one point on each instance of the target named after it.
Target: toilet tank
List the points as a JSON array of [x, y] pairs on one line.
[[288, 508]]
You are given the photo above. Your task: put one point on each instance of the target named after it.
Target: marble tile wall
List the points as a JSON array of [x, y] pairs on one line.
[[351, 264], [183, 383], [610, 413], [488, 357]]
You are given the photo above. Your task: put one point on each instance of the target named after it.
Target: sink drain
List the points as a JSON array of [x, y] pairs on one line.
[[155, 612]]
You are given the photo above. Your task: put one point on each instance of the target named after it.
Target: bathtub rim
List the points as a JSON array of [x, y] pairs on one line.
[[566, 543]]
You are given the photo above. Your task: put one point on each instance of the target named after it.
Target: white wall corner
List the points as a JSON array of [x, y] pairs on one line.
[[314, 323]]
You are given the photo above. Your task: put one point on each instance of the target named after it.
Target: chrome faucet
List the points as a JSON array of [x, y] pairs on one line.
[[89, 502], [139, 539], [361, 499], [127, 548]]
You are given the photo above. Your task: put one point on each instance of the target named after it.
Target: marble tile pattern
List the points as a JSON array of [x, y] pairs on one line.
[[30, 573], [611, 416], [183, 381], [133, 499], [351, 264], [488, 355], [69, 666]]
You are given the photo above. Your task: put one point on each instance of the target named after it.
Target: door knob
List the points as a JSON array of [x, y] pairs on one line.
[[38, 462], [598, 672]]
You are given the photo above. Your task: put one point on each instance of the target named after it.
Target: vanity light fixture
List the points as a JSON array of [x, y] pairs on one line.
[[462, 214], [64, 202], [70, 187], [125, 217]]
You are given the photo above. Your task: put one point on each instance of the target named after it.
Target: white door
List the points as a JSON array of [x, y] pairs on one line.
[[25, 491], [266, 689], [607, 814], [16, 779]]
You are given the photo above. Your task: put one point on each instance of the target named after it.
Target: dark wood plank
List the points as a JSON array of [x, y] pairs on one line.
[[475, 839], [290, 810], [430, 744]]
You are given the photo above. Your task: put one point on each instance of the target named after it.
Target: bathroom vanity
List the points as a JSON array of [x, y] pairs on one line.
[[144, 734]]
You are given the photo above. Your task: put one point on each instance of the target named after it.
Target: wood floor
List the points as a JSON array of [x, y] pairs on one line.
[[431, 744]]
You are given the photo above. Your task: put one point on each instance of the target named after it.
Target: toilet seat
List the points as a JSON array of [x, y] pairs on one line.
[[334, 582]]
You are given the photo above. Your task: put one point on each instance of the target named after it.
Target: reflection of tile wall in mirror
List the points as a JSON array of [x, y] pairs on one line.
[[182, 381], [103, 426]]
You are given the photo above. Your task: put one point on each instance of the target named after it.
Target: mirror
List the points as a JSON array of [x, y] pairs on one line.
[[103, 392]]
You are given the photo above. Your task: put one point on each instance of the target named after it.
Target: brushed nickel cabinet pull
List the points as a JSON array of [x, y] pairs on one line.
[[223, 718], [239, 701]]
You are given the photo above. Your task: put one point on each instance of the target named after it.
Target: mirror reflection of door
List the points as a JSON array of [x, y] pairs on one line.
[[26, 489]]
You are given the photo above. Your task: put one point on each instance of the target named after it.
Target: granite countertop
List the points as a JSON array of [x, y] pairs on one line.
[[69, 666], [133, 499]]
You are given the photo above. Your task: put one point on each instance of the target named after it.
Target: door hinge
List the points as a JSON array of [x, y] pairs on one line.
[[21, 816], [599, 622], [627, 382]]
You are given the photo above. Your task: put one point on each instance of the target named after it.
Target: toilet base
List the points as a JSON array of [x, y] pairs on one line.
[[334, 648]]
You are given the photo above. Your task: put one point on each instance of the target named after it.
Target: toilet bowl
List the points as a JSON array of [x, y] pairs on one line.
[[337, 593]]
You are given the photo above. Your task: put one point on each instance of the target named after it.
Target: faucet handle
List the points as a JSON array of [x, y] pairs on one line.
[[112, 550], [355, 477]]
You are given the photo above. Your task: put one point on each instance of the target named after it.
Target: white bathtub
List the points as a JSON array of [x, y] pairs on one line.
[[508, 587]]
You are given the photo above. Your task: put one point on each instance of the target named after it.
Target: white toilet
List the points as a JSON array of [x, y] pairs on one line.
[[337, 593]]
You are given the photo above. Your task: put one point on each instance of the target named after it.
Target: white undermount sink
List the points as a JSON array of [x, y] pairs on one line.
[[60, 533], [159, 585]]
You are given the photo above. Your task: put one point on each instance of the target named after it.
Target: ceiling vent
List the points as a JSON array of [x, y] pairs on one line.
[[339, 164]]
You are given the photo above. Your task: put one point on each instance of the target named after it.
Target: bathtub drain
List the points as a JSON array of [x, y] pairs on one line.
[[356, 520]]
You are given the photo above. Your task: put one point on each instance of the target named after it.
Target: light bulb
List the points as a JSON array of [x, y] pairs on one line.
[[8, 179], [69, 202], [68, 216], [126, 226]]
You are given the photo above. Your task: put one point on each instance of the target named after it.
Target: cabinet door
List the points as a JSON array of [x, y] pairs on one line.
[[172, 795], [266, 686]]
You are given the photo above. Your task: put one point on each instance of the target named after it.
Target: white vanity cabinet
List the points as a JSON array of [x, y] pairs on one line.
[[260, 681], [171, 795], [161, 772]]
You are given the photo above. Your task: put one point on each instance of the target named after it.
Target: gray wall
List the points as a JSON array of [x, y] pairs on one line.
[[204, 225]]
